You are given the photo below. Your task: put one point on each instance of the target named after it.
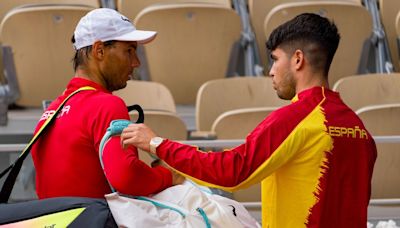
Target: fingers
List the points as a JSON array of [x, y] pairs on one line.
[[133, 139], [156, 163], [177, 178], [138, 135], [132, 128]]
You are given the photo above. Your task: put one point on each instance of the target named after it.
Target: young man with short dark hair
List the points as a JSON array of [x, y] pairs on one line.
[[314, 157]]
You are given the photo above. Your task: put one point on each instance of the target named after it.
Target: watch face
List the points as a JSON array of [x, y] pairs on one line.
[[158, 140], [154, 143]]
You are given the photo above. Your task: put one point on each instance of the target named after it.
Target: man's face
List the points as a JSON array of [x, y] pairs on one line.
[[282, 74], [120, 63]]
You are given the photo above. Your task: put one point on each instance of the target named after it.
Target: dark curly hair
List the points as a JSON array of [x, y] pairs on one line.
[[316, 36]]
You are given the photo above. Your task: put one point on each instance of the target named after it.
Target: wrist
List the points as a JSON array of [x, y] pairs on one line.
[[155, 142]]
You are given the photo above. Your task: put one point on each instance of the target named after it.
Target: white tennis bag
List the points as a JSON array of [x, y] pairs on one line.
[[183, 206]]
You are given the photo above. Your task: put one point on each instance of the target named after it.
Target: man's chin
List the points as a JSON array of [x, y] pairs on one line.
[[119, 87], [123, 86], [284, 96]]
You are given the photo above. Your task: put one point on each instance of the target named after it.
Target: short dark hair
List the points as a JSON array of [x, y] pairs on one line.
[[316, 36], [82, 54]]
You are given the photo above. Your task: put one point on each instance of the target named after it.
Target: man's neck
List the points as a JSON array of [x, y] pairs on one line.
[[84, 73], [310, 81]]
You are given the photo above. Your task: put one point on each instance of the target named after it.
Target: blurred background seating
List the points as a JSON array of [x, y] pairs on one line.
[[193, 45], [383, 120], [346, 16], [131, 8], [218, 96], [202, 77], [149, 95], [40, 40], [158, 106], [371, 89], [259, 9], [388, 10]]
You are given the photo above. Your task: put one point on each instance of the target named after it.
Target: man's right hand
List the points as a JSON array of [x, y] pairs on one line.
[[138, 135], [176, 177]]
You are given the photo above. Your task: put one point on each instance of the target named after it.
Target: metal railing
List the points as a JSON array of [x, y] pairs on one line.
[[252, 66], [383, 60], [222, 143], [236, 142]]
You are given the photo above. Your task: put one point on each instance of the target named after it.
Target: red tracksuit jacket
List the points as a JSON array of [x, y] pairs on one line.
[[314, 158], [66, 156]]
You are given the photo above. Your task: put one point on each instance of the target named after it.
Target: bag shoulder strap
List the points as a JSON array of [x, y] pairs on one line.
[[15, 168], [115, 128]]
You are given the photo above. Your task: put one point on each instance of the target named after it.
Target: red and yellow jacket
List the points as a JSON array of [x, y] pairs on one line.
[[314, 158]]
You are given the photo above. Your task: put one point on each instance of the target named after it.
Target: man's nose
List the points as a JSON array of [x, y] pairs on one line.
[[270, 73], [135, 61]]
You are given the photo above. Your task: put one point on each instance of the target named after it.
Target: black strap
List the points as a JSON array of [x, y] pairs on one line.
[[16, 166], [139, 110]]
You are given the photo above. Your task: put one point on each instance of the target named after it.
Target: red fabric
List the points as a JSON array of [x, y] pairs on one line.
[[347, 182], [235, 165], [66, 156], [343, 190], [129, 175]]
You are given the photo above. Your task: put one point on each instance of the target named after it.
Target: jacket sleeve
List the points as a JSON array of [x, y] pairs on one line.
[[123, 168], [264, 151], [128, 174]]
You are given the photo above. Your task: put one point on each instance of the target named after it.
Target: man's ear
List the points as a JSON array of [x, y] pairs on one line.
[[298, 59], [98, 50]]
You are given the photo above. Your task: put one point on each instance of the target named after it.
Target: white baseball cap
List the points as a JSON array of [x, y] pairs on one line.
[[107, 24]]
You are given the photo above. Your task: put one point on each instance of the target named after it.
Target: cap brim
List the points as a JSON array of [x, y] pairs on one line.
[[142, 37]]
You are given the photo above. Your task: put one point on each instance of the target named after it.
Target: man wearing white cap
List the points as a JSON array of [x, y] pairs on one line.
[[66, 156]]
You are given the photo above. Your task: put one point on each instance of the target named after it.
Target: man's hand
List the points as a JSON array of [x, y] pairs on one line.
[[176, 177], [138, 135]]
